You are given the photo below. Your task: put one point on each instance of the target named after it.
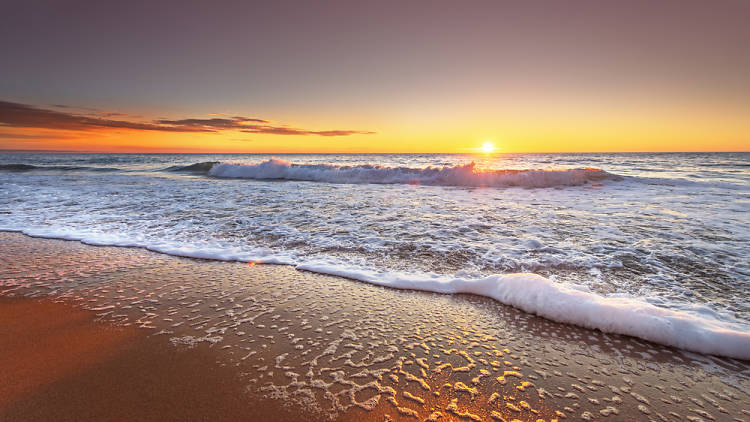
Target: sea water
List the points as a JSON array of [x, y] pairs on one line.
[[650, 245]]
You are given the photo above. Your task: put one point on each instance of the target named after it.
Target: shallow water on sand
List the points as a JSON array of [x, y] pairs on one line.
[[341, 349]]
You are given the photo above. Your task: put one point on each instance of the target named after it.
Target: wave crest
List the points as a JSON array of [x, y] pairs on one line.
[[575, 305], [199, 168], [465, 175]]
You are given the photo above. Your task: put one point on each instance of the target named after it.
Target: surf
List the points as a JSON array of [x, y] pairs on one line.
[[566, 303], [460, 175]]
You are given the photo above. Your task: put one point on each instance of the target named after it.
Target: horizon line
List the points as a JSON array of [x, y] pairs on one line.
[[45, 151]]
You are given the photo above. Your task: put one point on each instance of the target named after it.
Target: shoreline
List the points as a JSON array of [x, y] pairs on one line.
[[558, 302], [345, 350]]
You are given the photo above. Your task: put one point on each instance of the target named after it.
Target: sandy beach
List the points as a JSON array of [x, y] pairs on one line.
[[105, 333], [58, 363], [424, 211]]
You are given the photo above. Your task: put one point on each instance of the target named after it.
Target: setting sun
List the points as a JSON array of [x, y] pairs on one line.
[[487, 148]]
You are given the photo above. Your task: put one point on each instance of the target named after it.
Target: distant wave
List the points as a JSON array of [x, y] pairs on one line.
[[467, 175], [198, 168], [30, 167]]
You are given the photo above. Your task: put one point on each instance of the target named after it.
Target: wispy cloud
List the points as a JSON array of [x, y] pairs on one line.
[[88, 111], [24, 115], [292, 131], [20, 136], [214, 123]]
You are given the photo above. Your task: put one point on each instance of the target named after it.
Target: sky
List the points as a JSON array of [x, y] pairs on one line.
[[375, 76]]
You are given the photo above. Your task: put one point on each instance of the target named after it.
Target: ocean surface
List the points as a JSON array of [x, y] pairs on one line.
[[655, 246]]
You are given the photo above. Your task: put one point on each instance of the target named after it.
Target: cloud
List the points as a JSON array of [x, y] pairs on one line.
[[23, 115], [18, 136], [276, 130], [215, 123], [88, 111]]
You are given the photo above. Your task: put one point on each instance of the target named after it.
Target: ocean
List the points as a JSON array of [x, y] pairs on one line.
[[652, 245]]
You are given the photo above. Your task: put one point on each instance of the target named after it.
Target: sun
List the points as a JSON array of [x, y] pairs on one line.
[[487, 148]]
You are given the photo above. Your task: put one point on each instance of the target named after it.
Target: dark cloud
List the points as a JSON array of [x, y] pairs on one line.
[[23, 115]]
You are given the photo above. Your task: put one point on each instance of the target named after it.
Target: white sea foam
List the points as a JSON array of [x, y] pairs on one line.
[[458, 175], [575, 304], [566, 303], [216, 252]]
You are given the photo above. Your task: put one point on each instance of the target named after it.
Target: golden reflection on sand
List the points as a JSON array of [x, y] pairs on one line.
[[336, 349]]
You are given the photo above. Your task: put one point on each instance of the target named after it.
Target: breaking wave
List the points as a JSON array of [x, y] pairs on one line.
[[466, 175], [698, 331]]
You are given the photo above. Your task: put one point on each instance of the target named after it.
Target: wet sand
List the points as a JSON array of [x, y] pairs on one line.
[[103, 333], [57, 363]]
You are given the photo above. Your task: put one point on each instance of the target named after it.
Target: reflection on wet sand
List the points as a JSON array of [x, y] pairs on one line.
[[334, 348]]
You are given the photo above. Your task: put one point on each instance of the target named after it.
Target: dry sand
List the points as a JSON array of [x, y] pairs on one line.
[[97, 333]]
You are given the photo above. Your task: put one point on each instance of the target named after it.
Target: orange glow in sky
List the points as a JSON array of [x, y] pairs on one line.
[[519, 134], [375, 77]]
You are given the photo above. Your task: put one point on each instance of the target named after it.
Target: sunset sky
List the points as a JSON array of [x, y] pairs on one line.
[[376, 76]]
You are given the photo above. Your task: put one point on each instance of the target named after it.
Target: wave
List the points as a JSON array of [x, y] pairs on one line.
[[198, 168], [698, 330], [577, 305], [30, 167], [466, 175]]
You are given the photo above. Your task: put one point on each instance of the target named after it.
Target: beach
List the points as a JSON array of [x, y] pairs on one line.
[[59, 363], [375, 211], [150, 335]]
